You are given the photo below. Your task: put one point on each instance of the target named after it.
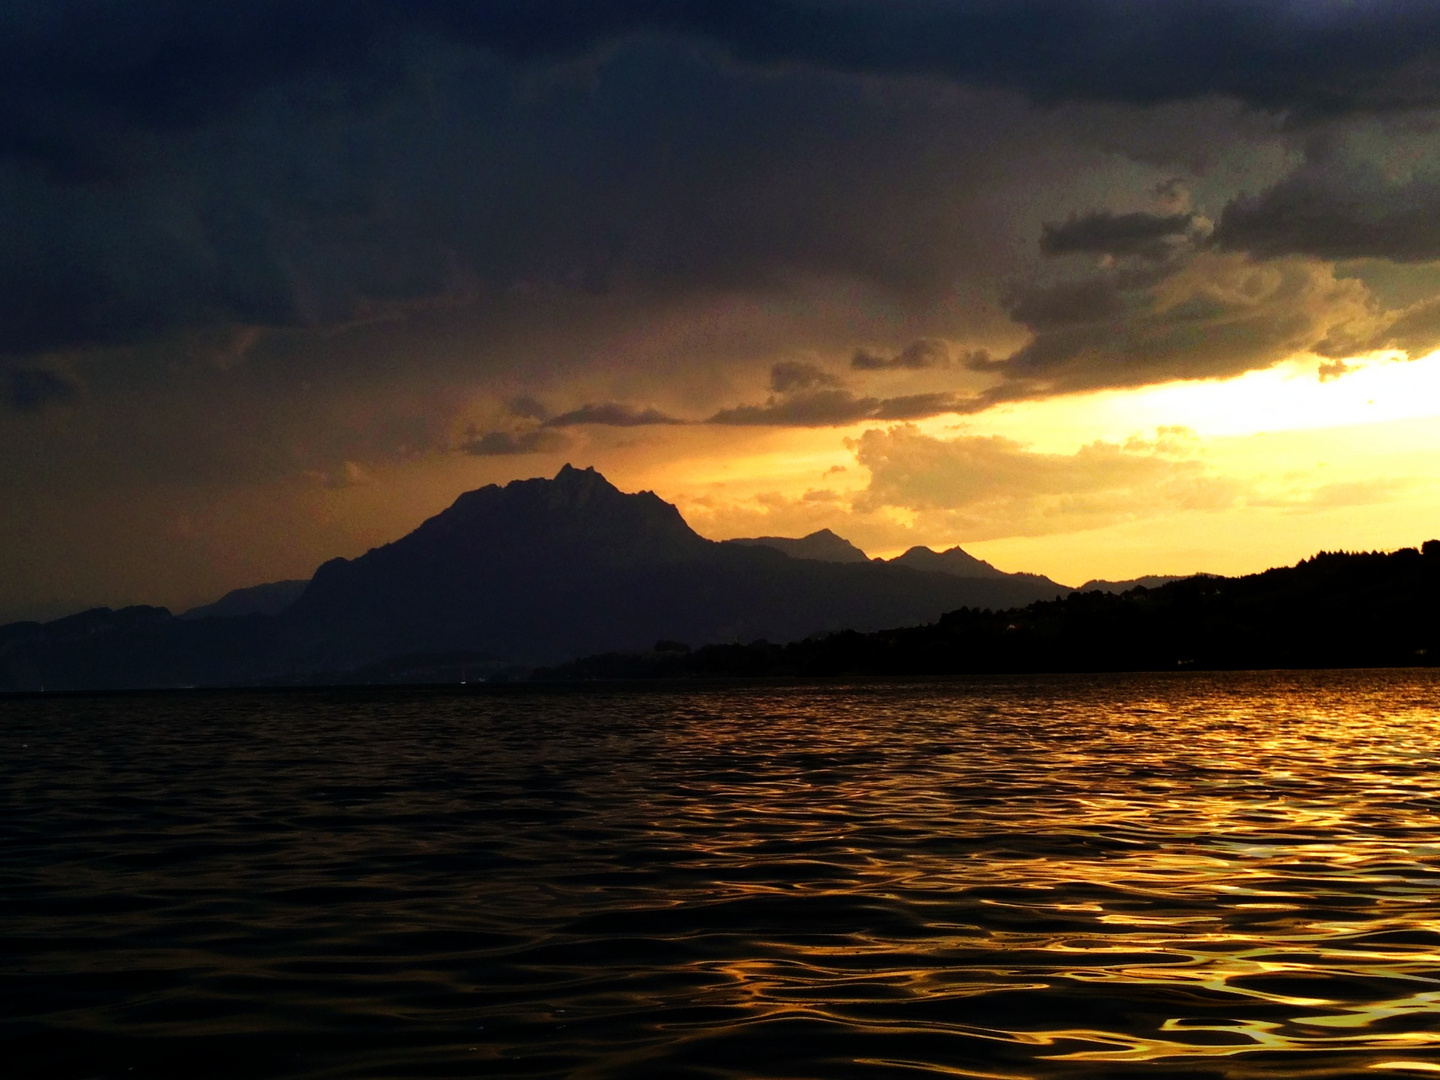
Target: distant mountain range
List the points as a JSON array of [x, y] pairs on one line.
[[1148, 581], [537, 571], [540, 572], [269, 599], [822, 546], [1337, 609], [825, 546]]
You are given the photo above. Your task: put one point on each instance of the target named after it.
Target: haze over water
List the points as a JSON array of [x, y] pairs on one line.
[[1221, 875]]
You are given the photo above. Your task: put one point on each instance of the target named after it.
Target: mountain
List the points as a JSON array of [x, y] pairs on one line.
[[953, 560], [1335, 610], [822, 546], [537, 571], [825, 546], [1148, 581], [961, 563], [543, 570], [268, 599]]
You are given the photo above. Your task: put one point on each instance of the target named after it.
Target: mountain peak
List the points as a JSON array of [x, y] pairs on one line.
[[569, 474], [822, 546], [1148, 581], [953, 560], [570, 490], [578, 518]]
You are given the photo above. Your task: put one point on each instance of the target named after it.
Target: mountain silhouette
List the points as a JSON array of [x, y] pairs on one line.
[[953, 560], [822, 546], [541, 570], [825, 546], [1334, 610], [268, 599], [960, 563], [537, 571], [1148, 581]]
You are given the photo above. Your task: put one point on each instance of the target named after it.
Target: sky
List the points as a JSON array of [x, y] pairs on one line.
[[1094, 288]]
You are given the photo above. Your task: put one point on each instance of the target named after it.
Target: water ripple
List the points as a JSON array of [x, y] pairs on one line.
[[1232, 876]]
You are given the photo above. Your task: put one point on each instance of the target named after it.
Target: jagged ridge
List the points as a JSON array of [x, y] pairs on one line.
[[535, 571]]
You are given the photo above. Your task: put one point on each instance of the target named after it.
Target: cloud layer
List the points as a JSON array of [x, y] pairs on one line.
[[986, 486], [266, 243], [308, 164]]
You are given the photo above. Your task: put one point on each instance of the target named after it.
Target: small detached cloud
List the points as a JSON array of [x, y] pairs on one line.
[[790, 376], [918, 355], [531, 429]]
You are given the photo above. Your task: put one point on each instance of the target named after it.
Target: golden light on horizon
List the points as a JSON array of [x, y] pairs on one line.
[[1289, 396], [1301, 454]]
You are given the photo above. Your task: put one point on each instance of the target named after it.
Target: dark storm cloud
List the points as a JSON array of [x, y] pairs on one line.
[[167, 165], [33, 389], [1088, 301], [1208, 315], [610, 414], [921, 353], [530, 439], [73, 68], [651, 174], [1105, 233], [1339, 206]]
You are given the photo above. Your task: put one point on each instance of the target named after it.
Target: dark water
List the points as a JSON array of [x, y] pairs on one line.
[[1131, 876]]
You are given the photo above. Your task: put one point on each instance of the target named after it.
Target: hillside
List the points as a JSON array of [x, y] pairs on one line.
[[1333, 610]]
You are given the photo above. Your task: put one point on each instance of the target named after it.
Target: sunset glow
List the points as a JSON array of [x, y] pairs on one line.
[[1105, 326], [613, 539]]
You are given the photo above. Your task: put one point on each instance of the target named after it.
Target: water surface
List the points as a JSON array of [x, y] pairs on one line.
[[1228, 875]]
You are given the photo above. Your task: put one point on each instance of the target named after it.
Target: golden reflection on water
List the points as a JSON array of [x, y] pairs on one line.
[[1231, 876], [1260, 852]]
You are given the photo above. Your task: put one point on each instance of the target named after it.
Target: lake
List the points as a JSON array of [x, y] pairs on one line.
[[1232, 875]]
